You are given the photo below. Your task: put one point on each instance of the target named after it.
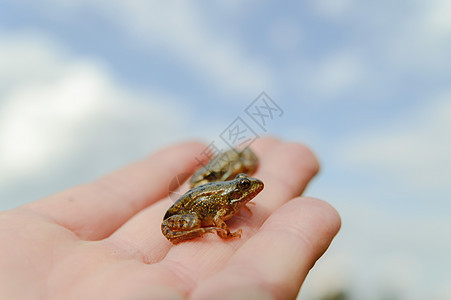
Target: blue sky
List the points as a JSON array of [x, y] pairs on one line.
[[88, 86]]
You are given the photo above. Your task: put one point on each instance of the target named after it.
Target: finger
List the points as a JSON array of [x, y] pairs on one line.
[[263, 145], [298, 234], [95, 210], [143, 232], [285, 169], [141, 236]]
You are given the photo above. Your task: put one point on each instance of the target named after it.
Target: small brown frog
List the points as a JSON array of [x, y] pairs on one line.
[[226, 166], [204, 209]]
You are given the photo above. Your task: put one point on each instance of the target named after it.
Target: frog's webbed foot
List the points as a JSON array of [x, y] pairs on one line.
[[224, 231], [236, 234], [227, 234]]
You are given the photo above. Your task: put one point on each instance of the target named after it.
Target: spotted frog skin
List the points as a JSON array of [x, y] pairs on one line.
[[204, 209], [226, 166]]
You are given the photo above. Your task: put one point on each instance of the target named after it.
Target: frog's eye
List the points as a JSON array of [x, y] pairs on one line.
[[244, 183]]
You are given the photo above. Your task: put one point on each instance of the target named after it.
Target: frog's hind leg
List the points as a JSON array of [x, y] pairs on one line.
[[180, 236], [179, 228]]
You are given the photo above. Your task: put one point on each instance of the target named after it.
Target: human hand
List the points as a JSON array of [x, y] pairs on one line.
[[103, 240]]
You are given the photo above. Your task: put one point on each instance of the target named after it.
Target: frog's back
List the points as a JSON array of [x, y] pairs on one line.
[[218, 165], [179, 205], [225, 166], [224, 159], [193, 196]]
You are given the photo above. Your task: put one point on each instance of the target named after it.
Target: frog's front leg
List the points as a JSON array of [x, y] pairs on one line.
[[179, 228], [225, 231]]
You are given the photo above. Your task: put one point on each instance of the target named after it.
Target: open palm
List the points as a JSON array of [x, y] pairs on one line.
[[102, 240]]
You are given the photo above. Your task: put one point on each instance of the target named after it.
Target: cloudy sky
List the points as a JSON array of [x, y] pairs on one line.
[[88, 86]]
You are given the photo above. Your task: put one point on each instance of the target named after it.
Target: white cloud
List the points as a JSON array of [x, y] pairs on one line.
[[337, 74], [437, 18], [53, 105], [285, 35], [419, 41], [181, 29], [332, 8], [415, 149], [27, 57], [395, 42], [379, 253], [444, 291]]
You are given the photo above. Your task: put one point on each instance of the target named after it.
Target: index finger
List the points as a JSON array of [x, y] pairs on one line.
[[95, 210]]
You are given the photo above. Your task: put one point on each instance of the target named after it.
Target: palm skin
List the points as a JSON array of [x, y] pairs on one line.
[[102, 240]]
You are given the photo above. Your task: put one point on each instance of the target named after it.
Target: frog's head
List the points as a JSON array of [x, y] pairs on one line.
[[245, 188]]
